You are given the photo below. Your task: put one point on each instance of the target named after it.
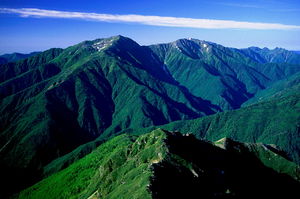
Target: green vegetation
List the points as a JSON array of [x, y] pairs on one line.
[[55, 101], [271, 122], [227, 77], [161, 164], [112, 169], [274, 121], [61, 104], [285, 87]]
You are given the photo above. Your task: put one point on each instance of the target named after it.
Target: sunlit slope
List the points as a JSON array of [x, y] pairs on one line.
[[161, 164]]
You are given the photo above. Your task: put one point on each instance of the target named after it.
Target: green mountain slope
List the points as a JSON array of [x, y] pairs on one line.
[[274, 122], [57, 106], [225, 76], [115, 167], [54, 102], [169, 165], [285, 87]]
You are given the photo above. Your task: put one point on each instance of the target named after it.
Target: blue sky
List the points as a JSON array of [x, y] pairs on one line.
[[265, 23]]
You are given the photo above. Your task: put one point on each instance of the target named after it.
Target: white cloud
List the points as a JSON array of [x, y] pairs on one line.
[[149, 20]]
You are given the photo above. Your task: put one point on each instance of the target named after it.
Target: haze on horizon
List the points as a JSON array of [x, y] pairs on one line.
[[33, 25]]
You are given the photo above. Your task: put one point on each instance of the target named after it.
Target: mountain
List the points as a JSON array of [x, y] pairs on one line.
[[162, 164], [227, 77], [277, 55], [59, 105], [97, 84], [15, 57]]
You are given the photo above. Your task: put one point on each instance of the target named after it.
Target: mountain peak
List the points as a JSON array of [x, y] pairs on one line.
[[193, 47], [255, 48], [101, 44]]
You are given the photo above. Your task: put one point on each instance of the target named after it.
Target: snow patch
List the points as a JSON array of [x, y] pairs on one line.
[[205, 47], [102, 44]]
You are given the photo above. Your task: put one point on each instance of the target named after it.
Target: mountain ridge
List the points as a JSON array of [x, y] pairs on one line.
[[108, 85], [155, 163], [235, 76]]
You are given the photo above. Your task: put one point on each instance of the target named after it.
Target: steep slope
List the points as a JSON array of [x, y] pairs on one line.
[[55, 101], [225, 76], [285, 87], [161, 164], [271, 122], [115, 167]]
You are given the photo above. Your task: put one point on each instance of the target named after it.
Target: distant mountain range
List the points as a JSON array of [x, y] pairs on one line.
[[15, 57], [59, 105]]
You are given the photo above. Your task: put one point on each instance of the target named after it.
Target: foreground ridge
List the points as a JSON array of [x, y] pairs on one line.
[[162, 164]]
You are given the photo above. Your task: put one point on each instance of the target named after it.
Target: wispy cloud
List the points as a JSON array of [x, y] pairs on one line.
[[149, 20]]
